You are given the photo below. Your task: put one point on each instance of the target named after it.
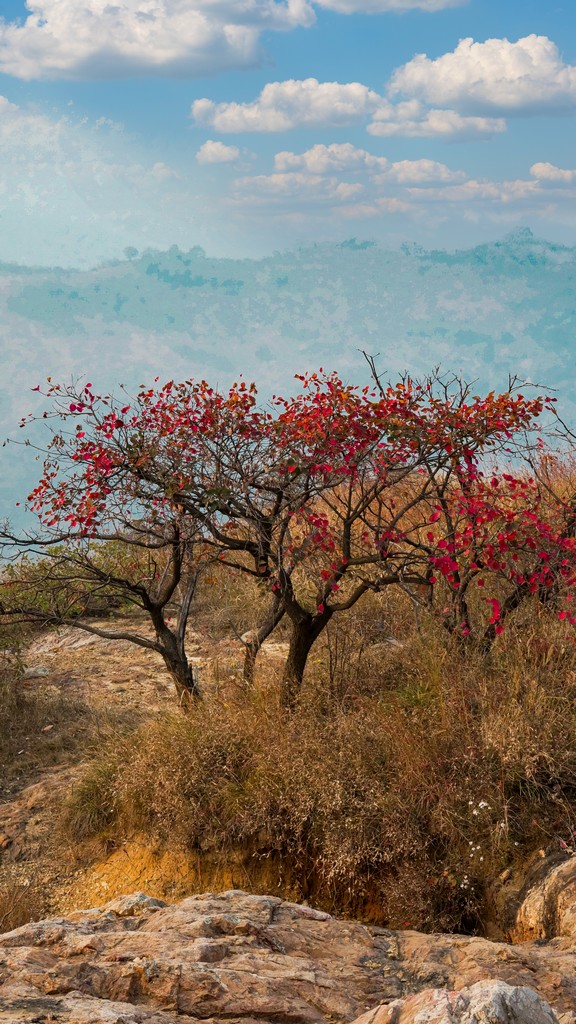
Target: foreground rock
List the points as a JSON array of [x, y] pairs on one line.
[[261, 960], [537, 900], [548, 905], [487, 1002]]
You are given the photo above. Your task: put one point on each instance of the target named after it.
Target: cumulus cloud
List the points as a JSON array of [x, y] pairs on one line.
[[344, 157], [347, 181], [282, 106], [495, 76], [406, 172], [299, 185], [550, 173], [101, 39], [412, 120], [212, 152], [375, 208], [498, 192], [97, 39], [384, 6], [290, 104], [344, 181], [322, 159]]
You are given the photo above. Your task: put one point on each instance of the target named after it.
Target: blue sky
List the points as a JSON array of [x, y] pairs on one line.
[[246, 126]]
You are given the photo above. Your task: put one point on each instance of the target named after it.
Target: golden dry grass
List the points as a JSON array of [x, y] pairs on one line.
[[408, 779]]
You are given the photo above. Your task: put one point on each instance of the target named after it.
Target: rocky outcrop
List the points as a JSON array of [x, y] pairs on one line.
[[537, 900], [487, 1002], [261, 960], [548, 905]]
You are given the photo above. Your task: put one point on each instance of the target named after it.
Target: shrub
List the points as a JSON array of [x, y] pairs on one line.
[[21, 901], [399, 803]]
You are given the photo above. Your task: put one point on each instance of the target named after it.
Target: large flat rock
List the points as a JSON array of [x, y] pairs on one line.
[[236, 957]]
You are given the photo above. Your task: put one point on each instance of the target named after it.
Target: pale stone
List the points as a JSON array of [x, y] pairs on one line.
[[487, 1002], [236, 958]]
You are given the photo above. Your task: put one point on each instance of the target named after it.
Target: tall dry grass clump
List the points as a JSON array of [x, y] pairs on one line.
[[409, 777], [21, 900]]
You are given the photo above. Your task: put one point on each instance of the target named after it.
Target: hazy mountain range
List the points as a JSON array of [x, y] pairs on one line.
[[506, 307]]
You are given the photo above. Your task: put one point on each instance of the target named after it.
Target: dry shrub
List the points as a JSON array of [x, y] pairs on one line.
[[21, 901], [343, 798], [425, 771]]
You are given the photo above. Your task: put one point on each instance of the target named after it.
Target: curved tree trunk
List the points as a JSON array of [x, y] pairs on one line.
[[512, 602], [306, 630], [255, 643], [171, 644], [184, 677]]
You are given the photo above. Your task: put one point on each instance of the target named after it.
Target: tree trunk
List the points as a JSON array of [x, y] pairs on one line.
[[249, 667], [184, 677], [304, 632], [255, 643], [171, 645], [512, 602]]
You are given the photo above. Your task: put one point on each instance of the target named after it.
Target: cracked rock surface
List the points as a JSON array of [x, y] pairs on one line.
[[247, 959]]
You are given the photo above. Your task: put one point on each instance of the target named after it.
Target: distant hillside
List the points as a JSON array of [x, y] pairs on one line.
[[506, 307]]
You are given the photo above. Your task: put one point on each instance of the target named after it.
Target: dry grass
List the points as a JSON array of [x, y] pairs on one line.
[[55, 720], [408, 779], [21, 901], [42, 726]]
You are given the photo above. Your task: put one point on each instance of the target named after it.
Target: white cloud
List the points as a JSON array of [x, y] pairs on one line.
[[344, 157], [373, 185], [412, 120], [162, 172], [385, 6], [343, 181], [406, 172], [375, 208], [282, 106], [98, 39], [499, 192], [290, 104], [19, 130], [550, 173], [102, 39], [212, 152], [336, 157], [300, 186], [498, 75]]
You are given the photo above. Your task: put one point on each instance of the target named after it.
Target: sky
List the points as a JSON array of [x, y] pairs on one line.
[[253, 126]]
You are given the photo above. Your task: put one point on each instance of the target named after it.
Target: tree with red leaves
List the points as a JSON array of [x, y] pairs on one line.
[[320, 497]]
